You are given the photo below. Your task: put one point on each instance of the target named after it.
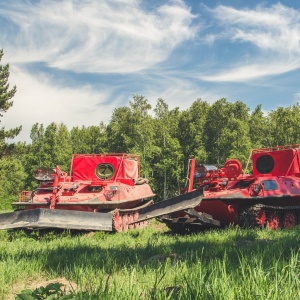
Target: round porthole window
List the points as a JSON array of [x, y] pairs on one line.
[[265, 164], [105, 171]]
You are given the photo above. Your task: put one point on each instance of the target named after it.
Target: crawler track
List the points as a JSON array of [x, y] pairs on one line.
[[272, 217]]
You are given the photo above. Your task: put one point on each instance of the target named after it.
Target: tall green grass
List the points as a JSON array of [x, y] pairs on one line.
[[147, 264]]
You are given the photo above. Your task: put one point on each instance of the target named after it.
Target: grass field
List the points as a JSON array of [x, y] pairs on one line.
[[151, 263]]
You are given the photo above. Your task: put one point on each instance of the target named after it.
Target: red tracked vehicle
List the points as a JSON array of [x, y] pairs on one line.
[[269, 196], [106, 192], [102, 192]]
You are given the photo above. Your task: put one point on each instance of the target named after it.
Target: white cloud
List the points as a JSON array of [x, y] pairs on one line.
[[297, 97], [250, 71], [38, 101], [83, 36], [274, 31], [96, 36]]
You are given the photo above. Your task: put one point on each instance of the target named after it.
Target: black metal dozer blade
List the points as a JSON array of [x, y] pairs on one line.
[[49, 218], [178, 203]]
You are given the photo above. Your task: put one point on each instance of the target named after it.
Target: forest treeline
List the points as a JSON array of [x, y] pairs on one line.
[[164, 138]]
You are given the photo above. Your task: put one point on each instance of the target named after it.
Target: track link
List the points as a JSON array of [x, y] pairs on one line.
[[249, 216]]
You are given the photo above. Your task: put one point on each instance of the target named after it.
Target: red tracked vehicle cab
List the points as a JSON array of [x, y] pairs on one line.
[[97, 182]]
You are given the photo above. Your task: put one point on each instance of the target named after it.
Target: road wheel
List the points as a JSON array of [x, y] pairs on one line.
[[117, 222], [274, 220], [135, 217], [261, 217], [289, 220], [130, 220], [125, 222]]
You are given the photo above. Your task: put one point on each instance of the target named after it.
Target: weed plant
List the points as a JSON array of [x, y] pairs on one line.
[[145, 263]]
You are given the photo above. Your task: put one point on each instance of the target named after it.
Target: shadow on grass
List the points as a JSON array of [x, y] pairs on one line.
[[68, 251]]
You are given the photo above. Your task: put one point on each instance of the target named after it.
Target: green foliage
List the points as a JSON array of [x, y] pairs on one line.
[[5, 103], [12, 176], [6, 202], [142, 132], [57, 146], [50, 147], [131, 130], [191, 132], [227, 131], [91, 139], [5, 94], [166, 157], [119, 130], [284, 125], [258, 129]]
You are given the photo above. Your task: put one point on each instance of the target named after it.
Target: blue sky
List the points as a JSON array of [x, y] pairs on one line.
[[76, 61]]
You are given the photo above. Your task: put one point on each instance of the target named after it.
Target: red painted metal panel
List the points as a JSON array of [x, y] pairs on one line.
[[284, 162], [84, 167]]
